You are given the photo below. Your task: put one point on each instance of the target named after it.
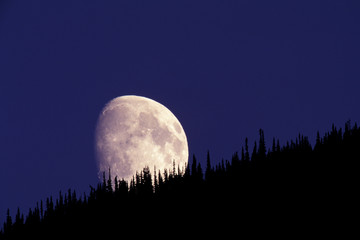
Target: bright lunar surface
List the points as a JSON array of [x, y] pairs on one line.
[[133, 132]]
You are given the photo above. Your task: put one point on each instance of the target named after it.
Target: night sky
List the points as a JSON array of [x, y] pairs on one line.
[[224, 68]]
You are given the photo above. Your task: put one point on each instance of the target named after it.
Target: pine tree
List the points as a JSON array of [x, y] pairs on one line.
[[161, 181], [8, 223], [242, 154], [223, 165], [116, 184], [147, 182], [19, 219], [156, 184], [194, 166], [69, 197], [166, 175], [247, 155], [37, 213], [174, 168], [109, 183], [73, 197], [104, 182], [19, 222], [235, 160], [85, 199], [61, 201], [208, 171], [273, 149], [41, 209], [180, 172], [262, 147], [199, 172], [254, 153], [132, 189], [187, 171], [318, 140]]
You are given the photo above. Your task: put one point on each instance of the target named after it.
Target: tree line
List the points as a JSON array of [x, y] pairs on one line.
[[283, 181]]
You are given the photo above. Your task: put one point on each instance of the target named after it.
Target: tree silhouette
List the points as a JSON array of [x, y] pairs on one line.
[[262, 147], [254, 153], [247, 156], [292, 180], [209, 170], [194, 166]]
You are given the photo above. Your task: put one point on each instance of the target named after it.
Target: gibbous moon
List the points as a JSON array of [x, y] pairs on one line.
[[133, 132]]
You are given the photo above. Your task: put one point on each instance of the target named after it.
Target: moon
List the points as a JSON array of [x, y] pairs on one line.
[[134, 132]]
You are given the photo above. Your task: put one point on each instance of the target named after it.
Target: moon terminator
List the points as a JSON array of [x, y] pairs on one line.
[[133, 132]]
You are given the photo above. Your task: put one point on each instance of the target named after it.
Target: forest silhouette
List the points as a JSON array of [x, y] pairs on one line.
[[279, 185]]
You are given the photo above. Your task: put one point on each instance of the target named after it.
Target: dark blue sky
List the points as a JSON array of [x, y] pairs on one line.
[[224, 68]]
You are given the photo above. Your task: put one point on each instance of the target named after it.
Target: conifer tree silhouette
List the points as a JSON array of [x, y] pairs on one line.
[[109, 183], [247, 155], [285, 180], [273, 148], [262, 147], [208, 171], [254, 153], [8, 223], [194, 166]]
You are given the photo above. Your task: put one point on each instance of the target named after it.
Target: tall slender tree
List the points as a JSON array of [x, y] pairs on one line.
[[254, 153], [208, 171], [194, 166], [109, 183], [262, 146], [247, 155]]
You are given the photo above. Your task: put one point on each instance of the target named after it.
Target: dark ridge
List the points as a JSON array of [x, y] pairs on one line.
[[293, 188]]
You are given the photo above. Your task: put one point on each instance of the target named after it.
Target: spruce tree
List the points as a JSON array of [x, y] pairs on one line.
[[273, 149], [161, 181], [262, 147], [242, 154], [318, 140], [208, 171], [109, 183], [174, 168], [19, 219], [254, 153], [147, 182], [193, 166], [8, 223], [41, 209], [156, 184], [247, 155], [199, 172], [116, 183]]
